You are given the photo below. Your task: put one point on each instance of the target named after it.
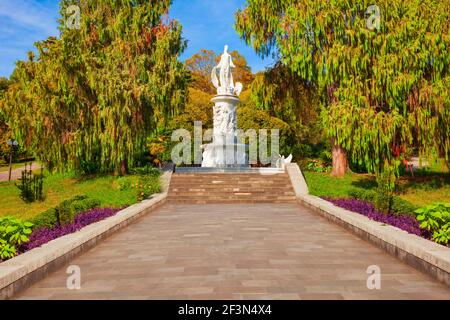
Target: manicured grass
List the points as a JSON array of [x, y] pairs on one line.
[[422, 198], [324, 185], [59, 187], [429, 184], [421, 190]]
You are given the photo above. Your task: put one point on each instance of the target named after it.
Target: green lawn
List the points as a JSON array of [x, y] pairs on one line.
[[59, 187], [324, 185], [423, 189]]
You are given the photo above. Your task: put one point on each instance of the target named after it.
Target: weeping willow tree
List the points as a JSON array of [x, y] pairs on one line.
[[382, 71], [291, 99], [93, 95], [5, 133]]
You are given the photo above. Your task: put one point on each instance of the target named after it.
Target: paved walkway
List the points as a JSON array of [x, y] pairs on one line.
[[17, 173], [236, 252]]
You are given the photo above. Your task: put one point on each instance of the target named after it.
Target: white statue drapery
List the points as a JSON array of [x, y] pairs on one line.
[[225, 66]]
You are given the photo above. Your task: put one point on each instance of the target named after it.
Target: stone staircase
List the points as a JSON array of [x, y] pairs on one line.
[[200, 188]]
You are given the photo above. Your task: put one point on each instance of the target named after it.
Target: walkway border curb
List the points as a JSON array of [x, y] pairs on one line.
[[24, 270], [429, 257], [297, 179]]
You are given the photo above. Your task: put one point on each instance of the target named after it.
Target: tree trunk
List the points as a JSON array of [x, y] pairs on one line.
[[124, 167], [340, 162]]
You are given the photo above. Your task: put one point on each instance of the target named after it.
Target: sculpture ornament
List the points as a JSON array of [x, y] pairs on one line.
[[225, 150], [226, 84]]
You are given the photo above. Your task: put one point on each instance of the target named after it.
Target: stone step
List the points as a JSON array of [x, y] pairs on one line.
[[230, 176], [230, 188], [255, 173], [206, 191], [233, 197], [240, 182], [236, 190], [221, 181], [234, 180], [228, 170], [230, 201]]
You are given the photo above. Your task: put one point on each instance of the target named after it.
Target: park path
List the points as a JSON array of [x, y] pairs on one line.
[[17, 173], [257, 251]]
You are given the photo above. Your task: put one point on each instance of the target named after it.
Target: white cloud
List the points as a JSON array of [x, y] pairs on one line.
[[22, 23]]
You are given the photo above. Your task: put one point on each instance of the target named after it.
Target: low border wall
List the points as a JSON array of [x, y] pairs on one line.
[[26, 269], [422, 254]]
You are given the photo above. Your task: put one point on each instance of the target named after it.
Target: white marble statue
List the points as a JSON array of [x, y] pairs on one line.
[[225, 150], [226, 84]]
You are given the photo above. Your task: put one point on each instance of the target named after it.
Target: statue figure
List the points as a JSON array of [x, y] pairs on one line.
[[225, 150], [226, 85]]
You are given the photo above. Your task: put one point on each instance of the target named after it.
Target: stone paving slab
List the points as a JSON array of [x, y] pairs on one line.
[[20, 272], [424, 255], [257, 251]]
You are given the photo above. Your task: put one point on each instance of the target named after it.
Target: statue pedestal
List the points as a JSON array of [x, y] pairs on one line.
[[225, 151], [224, 155]]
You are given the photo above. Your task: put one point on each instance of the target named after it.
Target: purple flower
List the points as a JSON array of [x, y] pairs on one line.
[[404, 222], [43, 235]]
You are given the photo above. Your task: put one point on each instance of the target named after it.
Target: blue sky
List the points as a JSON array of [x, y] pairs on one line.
[[206, 24]]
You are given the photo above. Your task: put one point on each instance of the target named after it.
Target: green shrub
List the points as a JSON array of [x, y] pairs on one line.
[[31, 186], [302, 151], [124, 183], [84, 205], [46, 219], [13, 232], [148, 170], [397, 205], [318, 165], [89, 167], [385, 190], [402, 207], [436, 218], [79, 197], [442, 235], [357, 167], [65, 212], [383, 201], [362, 194], [146, 186], [68, 209]]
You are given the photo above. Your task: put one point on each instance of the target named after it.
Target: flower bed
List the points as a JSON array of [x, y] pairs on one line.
[[405, 222], [41, 236]]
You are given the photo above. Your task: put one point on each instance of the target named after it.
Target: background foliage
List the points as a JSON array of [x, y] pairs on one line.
[[98, 91], [380, 89]]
